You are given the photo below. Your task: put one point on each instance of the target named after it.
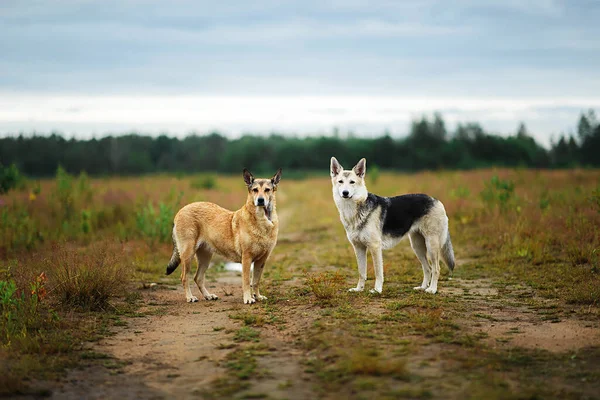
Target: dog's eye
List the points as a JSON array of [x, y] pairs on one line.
[[267, 190], [255, 190], [340, 181], [352, 182]]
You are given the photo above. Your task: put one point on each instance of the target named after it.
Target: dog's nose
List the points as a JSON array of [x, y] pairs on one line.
[[345, 193], [261, 201]]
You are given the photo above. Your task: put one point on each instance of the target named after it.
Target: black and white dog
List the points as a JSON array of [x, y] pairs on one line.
[[376, 223]]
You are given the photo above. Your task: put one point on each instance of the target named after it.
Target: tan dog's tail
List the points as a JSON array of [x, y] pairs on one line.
[[175, 259]]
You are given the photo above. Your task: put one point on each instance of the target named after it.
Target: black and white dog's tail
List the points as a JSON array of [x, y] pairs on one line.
[[448, 253], [175, 259]]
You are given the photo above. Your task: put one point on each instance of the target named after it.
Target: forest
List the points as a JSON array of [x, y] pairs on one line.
[[429, 145]]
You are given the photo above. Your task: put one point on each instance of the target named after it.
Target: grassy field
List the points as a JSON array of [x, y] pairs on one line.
[[519, 318]]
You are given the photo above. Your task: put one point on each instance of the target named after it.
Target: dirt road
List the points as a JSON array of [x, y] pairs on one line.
[[178, 348], [184, 350]]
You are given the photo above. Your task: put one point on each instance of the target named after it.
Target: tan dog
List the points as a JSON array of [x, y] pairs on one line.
[[248, 236]]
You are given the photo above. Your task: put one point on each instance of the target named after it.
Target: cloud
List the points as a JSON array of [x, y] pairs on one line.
[[365, 115], [427, 49]]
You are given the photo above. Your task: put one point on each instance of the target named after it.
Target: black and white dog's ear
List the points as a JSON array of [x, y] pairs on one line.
[[336, 167], [248, 177], [277, 177], [360, 169]]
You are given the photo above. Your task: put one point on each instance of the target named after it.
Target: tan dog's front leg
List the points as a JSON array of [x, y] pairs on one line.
[[257, 274], [246, 263]]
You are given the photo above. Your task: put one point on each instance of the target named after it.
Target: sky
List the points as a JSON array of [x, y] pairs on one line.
[[91, 68]]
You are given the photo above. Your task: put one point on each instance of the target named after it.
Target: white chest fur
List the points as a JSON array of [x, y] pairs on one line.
[[362, 225]]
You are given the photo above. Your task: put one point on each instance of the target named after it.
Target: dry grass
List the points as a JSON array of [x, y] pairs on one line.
[[544, 236], [326, 286], [87, 280]]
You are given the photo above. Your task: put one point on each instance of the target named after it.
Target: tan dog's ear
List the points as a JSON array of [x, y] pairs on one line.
[[360, 169], [335, 167], [248, 177], [277, 177]]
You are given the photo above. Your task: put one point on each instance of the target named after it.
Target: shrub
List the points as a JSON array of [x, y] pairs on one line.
[[10, 178], [325, 285], [374, 173], [204, 182], [87, 280], [70, 198], [460, 192], [17, 229], [153, 223], [20, 317], [498, 192], [156, 223], [363, 362]]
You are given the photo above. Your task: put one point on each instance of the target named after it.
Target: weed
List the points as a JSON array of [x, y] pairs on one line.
[[325, 285], [374, 174], [204, 182], [87, 281], [246, 334], [10, 178], [156, 223], [362, 362], [498, 192], [249, 318], [460, 192], [17, 229]]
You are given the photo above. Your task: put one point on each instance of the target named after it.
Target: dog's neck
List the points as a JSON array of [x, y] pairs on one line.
[[350, 209], [267, 214]]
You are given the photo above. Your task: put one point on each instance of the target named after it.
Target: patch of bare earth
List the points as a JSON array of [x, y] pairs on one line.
[[515, 324], [178, 350]]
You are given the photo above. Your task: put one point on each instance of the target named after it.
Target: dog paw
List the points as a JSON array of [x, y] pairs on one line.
[[249, 300], [431, 290], [375, 291], [418, 288], [211, 297], [356, 289], [192, 299]]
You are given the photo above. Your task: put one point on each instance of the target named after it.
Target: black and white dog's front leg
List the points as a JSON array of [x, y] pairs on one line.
[[361, 260]]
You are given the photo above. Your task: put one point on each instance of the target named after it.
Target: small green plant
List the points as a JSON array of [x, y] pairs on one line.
[[595, 198], [204, 182], [86, 225], [246, 334], [19, 313], [10, 178], [374, 173], [17, 229], [70, 196], [248, 318], [155, 223], [544, 202], [325, 285], [460, 192], [498, 192]]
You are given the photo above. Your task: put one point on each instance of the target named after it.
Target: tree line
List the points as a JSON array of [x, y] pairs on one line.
[[429, 145]]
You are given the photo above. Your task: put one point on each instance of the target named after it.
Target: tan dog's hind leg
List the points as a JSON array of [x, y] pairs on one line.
[[186, 255], [259, 266], [246, 289], [203, 256]]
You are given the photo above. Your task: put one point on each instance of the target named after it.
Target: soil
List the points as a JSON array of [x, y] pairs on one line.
[[177, 353]]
